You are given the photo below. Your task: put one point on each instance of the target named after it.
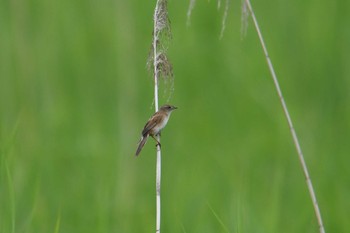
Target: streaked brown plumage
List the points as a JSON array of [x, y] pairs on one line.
[[154, 125]]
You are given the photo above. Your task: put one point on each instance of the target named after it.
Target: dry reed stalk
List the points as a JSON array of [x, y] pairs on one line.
[[289, 119], [162, 67]]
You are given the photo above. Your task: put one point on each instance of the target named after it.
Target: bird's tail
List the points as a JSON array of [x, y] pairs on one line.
[[141, 144]]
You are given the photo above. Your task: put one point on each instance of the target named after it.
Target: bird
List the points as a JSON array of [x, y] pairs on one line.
[[154, 125]]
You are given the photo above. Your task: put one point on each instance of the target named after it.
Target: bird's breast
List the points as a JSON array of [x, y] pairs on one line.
[[161, 125]]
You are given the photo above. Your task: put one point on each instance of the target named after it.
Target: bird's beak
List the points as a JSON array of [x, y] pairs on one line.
[[174, 107]]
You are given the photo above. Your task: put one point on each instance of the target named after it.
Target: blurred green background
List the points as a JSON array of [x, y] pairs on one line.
[[75, 94]]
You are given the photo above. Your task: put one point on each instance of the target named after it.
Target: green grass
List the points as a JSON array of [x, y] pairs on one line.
[[75, 94]]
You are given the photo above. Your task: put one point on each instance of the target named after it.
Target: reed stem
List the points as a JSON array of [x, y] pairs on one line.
[[289, 120]]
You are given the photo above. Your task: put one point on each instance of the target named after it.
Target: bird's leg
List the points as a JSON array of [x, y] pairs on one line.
[[158, 143]]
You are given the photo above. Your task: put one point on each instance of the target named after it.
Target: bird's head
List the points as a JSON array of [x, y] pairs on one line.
[[167, 108]]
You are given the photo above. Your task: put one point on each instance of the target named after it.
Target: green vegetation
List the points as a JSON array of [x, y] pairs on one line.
[[75, 93]]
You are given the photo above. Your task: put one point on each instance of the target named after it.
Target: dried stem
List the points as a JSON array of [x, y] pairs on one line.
[[244, 19], [189, 12], [161, 68], [224, 18], [289, 120], [155, 67]]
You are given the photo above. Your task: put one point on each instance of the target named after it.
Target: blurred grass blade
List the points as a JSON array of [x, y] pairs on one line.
[[58, 223], [189, 12], [218, 218]]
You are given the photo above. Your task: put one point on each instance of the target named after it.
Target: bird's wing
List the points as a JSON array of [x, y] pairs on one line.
[[151, 123]]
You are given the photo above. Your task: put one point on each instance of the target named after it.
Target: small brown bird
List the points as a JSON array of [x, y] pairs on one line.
[[154, 125]]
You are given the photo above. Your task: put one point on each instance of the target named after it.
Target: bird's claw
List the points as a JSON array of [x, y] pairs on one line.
[[158, 144]]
